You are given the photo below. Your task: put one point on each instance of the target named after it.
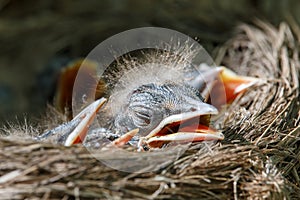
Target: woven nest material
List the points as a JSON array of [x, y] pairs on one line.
[[259, 159]]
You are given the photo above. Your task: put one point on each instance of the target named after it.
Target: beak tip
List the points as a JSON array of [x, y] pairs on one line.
[[212, 109], [85, 117], [221, 136]]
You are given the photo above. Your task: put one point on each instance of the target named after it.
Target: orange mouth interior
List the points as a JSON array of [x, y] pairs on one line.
[[198, 124]]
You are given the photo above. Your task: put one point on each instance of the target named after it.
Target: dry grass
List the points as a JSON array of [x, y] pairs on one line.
[[44, 171], [260, 158], [267, 116]]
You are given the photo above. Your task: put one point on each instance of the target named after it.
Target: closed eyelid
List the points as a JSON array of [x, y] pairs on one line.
[[142, 113], [144, 117], [140, 108]]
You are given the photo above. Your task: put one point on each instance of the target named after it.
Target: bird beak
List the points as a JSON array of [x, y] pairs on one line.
[[75, 131], [184, 127], [228, 86], [84, 119]]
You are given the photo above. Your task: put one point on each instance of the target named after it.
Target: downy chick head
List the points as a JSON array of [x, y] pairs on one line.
[[149, 104]]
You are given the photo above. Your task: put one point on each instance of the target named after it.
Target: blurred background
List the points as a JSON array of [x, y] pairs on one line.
[[39, 37]]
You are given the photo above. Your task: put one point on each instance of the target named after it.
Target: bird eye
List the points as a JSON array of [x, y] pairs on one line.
[[141, 116]]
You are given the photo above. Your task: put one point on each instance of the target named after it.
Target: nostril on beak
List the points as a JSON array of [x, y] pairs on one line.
[[192, 109]]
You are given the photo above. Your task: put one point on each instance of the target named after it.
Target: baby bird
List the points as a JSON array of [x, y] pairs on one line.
[[158, 100]]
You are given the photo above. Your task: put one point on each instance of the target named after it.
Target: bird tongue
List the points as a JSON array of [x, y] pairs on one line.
[[199, 129], [194, 125]]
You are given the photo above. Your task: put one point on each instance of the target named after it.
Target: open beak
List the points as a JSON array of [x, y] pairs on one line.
[[228, 86], [85, 118], [74, 131], [185, 127]]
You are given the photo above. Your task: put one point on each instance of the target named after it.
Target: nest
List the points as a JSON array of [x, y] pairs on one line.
[[258, 160]]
